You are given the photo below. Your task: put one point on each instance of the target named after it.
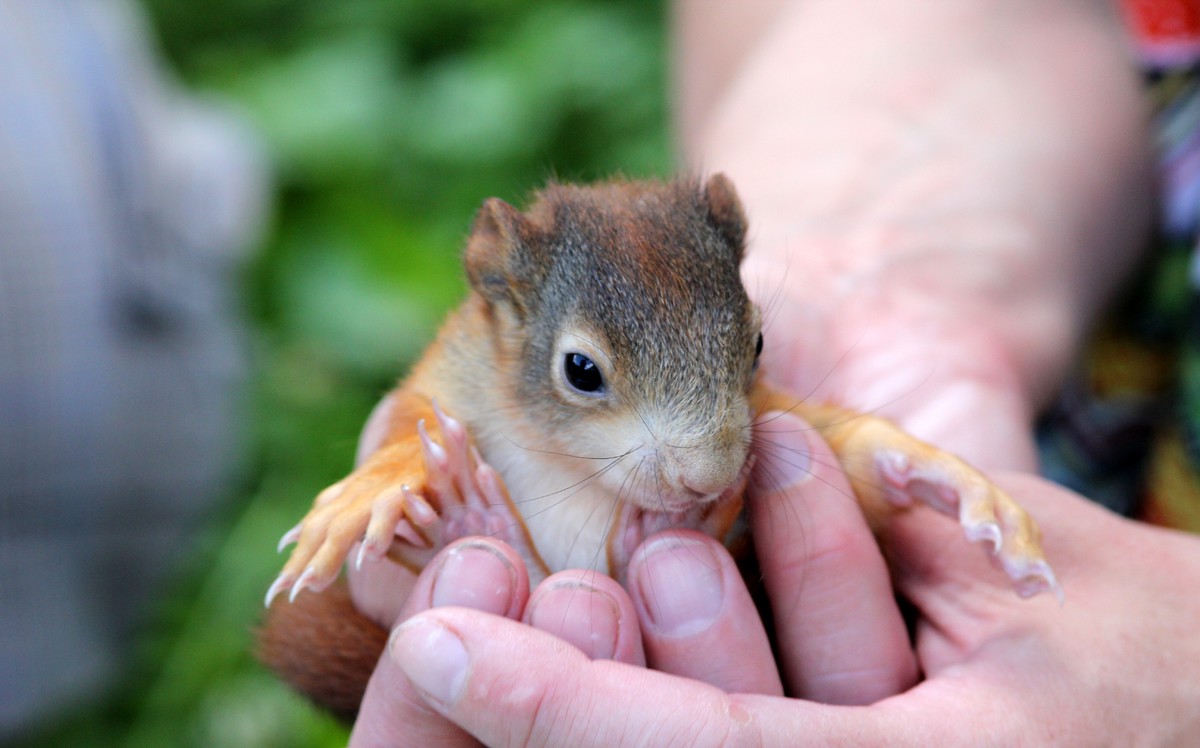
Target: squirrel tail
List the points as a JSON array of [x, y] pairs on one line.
[[324, 647]]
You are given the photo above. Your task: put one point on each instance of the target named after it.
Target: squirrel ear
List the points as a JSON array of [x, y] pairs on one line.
[[494, 251], [725, 212]]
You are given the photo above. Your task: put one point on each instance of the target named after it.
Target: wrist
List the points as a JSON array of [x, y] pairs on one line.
[[939, 361]]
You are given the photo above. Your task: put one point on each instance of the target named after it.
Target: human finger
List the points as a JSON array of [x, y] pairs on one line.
[[590, 611], [698, 619], [841, 636], [513, 685], [478, 573]]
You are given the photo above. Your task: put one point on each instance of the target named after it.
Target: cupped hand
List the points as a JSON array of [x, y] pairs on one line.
[[685, 595], [1113, 665]]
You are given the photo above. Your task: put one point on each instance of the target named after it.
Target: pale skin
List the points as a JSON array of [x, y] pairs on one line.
[[997, 671], [948, 226]]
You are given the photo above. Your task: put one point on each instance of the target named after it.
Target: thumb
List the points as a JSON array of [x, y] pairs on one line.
[[509, 684]]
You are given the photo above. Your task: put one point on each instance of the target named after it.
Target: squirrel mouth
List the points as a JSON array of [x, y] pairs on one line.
[[714, 515]]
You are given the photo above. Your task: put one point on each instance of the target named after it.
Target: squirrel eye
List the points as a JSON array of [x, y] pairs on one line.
[[583, 374], [758, 348]]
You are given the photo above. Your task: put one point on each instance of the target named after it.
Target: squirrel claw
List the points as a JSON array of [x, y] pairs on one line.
[[281, 582], [985, 532], [1035, 578], [289, 537], [434, 452], [304, 581], [358, 558], [451, 427], [417, 508]]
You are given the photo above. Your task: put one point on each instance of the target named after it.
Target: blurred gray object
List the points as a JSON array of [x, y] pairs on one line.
[[125, 206]]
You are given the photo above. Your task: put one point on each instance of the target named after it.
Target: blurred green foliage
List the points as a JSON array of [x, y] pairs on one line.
[[387, 122]]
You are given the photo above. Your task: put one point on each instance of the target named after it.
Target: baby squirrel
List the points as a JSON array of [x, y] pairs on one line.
[[598, 384]]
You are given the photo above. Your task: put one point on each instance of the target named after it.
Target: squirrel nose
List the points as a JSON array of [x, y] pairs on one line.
[[706, 476]]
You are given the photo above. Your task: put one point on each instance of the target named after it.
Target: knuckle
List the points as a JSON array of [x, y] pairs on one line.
[[544, 722], [347, 527], [317, 523], [535, 731], [730, 724], [835, 547]]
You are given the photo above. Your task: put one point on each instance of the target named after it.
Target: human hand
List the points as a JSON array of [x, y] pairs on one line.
[[1114, 665], [687, 603], [684, 587], [936, 210]]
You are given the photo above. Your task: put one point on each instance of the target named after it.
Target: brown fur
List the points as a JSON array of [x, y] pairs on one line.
[[324, 647]]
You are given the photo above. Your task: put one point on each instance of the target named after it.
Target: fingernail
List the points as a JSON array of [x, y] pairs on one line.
[[786, 449], [579, 613], [432, 657], [680, 586], [476, 576]]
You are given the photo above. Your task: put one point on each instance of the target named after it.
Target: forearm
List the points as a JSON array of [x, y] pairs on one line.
[[983, 161]]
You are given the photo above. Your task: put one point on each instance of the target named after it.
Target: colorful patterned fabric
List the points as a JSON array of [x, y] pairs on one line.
[[1127, 430]]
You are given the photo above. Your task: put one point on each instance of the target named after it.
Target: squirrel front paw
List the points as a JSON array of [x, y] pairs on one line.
[[472, 498], [389, 502], [985, 512]]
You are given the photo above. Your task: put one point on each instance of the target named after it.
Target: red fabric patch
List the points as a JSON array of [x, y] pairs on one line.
[[1163, 21]]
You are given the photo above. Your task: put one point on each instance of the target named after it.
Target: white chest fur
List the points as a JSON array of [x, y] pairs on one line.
[[567, 510]]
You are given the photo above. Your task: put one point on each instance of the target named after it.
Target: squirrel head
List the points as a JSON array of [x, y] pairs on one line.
[[623, 307]]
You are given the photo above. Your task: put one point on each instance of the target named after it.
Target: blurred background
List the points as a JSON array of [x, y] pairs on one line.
[[382, 125]]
